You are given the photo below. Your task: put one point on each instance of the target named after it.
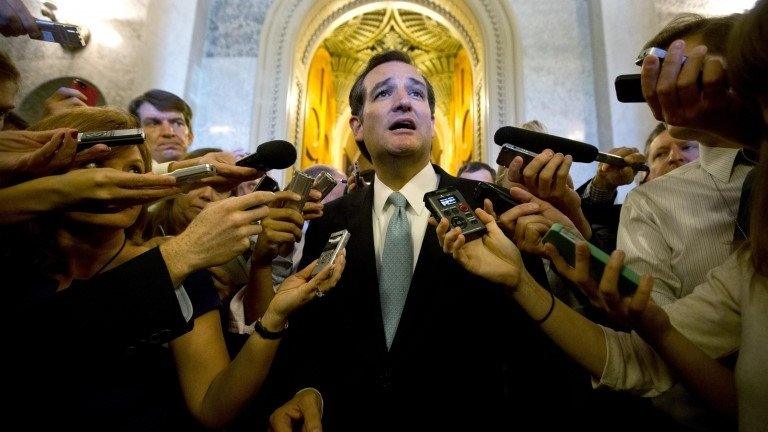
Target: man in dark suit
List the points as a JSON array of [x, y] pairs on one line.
[[408, 340]]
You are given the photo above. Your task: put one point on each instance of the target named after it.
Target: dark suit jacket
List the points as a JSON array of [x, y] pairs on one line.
[[464, 354]]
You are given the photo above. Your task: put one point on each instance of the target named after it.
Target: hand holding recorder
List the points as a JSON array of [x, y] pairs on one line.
[[217, 235], [227, 174], [281, 229], [15, 20], [528, 222], [492, 256], [692, 91], [302, 287], [609, 177], [97, 190], [30, 154], [609, 285]]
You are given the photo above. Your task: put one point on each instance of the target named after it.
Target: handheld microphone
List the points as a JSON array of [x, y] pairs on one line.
[[581, 152], [272, 154]]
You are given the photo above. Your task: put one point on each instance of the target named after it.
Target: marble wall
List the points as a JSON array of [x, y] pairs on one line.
[[113, 61], [222, 82]]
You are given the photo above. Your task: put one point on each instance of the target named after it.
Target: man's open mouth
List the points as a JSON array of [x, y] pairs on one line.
[[403, 124]]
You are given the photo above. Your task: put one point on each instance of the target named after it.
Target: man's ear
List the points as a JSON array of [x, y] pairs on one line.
[[191, 138], [357, 128]]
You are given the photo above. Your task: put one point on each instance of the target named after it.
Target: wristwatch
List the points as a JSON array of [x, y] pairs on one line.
[[259, 328]]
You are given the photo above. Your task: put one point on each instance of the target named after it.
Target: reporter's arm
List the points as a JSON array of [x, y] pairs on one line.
[[32, 198], [495, 258], [215, 389], [81, 189], [647, 252]]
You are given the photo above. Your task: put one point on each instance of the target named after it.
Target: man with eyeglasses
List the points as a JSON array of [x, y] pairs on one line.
[[167, 123]]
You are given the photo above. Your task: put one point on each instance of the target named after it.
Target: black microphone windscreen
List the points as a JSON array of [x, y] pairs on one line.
[[277, 154], [538, 142]]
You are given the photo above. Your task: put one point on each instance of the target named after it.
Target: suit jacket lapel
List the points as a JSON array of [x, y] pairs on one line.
[[421, 292], [363, 307]]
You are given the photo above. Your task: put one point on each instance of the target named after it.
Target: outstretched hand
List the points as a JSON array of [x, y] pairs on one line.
[[638, 311], [25, 155], [304, 411], [301, 287], [695, 93], [493, 256], [228, 175]]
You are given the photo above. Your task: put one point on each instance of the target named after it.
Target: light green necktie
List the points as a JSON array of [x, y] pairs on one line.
[[396, 266]]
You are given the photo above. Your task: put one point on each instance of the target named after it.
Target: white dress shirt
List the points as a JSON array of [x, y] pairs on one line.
[[425, 181], [679, 226], [725, 314]]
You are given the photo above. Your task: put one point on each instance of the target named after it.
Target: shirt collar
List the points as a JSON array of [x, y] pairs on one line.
[[718, 161], [424, 181]]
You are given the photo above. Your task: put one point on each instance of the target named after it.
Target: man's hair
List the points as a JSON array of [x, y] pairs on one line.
[[658, 130], [748, 53], [163, 101], [8, 70], [534, 125], [748, 73], [357, 94], [471, 167], [714, 31]]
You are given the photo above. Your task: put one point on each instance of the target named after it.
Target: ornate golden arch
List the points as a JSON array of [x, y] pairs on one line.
[[342, 55]]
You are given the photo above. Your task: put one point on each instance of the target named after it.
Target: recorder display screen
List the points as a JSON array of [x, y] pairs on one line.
[[448, 200]]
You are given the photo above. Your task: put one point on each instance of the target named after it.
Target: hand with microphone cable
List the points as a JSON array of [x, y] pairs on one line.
[[270, 155], [547, 177], [527, 222], [608, 178], [228, 175]]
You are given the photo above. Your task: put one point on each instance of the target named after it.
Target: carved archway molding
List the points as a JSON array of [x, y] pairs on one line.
[[293, 29]]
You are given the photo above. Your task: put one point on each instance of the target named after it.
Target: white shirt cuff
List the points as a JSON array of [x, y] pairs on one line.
[[237, 315], [160, 168], [184, 303]]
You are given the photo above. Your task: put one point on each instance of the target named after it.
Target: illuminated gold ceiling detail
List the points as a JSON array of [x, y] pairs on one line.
[[429, 43]]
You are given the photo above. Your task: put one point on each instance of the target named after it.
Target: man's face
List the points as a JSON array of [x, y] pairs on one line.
[[481, 174], [8, 90], [396, 119], [666, 153], [167, 133]]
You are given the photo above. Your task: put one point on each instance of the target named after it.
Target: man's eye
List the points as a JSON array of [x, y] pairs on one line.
[[418, 93], [151, 123], [179, 123], [381, 93], [135, 169]]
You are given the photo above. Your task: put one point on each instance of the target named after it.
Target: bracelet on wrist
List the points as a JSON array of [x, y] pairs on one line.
[[549, 312], [265, 333]]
